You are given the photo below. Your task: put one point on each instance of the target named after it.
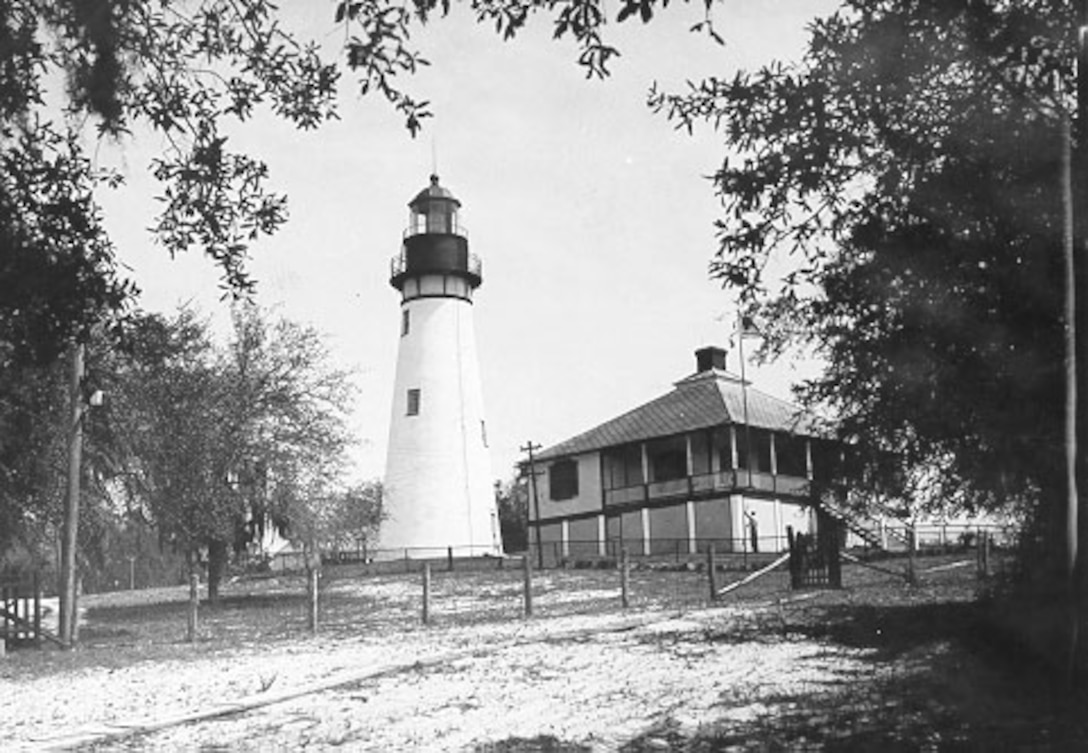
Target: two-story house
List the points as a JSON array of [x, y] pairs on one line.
[[714, 461]]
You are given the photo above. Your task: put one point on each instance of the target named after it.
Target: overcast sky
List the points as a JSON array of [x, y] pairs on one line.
[[592, 215]]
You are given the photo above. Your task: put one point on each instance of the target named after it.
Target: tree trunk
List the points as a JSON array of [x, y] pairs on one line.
[[1078, 515], [217, 563]]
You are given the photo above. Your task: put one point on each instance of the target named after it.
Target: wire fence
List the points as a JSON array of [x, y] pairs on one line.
[[740, 553], [360, 590], [488, 595], [485, 590], [434, 594]]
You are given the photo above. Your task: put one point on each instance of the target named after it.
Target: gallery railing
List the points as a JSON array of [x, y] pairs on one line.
[[707, 484]]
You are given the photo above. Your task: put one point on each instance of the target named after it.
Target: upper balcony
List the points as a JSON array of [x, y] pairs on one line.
[[708, 485], [437, 254]]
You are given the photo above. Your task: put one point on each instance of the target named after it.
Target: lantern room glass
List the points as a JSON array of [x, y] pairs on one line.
[[433, 216]]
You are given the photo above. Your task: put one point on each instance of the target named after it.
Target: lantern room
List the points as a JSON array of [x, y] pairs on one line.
[[435, 247], [433, 210]]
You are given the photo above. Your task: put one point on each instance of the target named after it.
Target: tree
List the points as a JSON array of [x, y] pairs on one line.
[[914, 165], [178, 70], [168, 407], [341, 520], [910, 164], [221, 444], [287, 412], [512, 501]]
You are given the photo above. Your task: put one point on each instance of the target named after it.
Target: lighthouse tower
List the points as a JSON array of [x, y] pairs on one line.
[[438, 489]]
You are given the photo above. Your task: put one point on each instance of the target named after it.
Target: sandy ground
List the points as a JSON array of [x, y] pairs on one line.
[[598, 689], [581, 675], [588, 680]]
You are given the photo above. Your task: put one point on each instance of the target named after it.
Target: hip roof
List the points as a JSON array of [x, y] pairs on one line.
[[700, 401]]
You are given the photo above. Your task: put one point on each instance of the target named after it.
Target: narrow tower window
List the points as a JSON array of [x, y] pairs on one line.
[[405, 322], [413, 402]]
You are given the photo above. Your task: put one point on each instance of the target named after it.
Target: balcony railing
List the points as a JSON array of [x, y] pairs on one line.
[[706, 484], [398, 265]]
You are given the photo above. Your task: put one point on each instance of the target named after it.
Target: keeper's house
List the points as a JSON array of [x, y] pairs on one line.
[[714, 461]]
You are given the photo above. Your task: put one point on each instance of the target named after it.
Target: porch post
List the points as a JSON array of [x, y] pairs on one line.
[[693, 544]]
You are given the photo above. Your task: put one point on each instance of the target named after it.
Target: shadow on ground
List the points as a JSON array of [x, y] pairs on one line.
[[937, 677], [540, 744]]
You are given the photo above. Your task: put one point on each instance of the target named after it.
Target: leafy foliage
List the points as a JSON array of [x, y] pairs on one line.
[[286, 407], [910, 166], [341, 520], [217, 446], [57, 274], [32, 449], [179, 68], [512, 501]]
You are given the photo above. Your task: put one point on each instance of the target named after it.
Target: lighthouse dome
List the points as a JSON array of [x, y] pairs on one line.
[[432, 192]]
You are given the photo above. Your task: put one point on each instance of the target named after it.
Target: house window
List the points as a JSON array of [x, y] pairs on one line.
[[413, 402], [563, 478], [405, 321]]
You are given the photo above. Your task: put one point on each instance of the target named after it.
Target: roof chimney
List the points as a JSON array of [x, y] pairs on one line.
[[709, 358]]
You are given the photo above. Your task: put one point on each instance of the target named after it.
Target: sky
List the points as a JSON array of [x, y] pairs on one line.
[[593, 217]]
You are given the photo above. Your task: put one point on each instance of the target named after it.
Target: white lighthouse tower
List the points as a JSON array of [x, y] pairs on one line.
[[438, 490]]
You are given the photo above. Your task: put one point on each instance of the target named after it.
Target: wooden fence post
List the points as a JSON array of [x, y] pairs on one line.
[[832, 547], [527, 569], [449, 558], [795, 558], [983, 540], [625, 578], [37, 612], [712, 572], [194, 602], [912, 544], [312, 582], [426, 612], [407, 561]]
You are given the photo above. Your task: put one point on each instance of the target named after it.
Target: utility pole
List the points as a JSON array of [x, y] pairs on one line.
[[530, 448], [70, 536], [744, 328]]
